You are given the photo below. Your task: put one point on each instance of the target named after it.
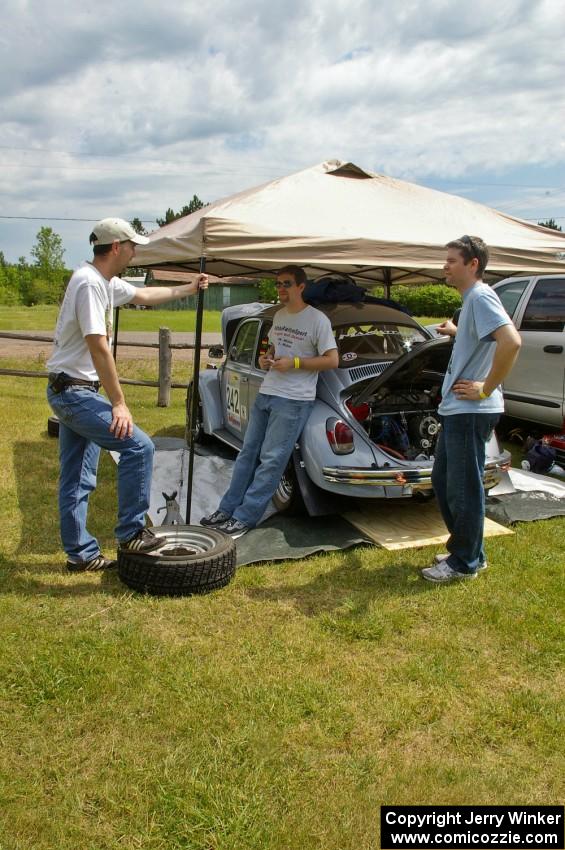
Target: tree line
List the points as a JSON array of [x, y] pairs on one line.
[[43, 279]]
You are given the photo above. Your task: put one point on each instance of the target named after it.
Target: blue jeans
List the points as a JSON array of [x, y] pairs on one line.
[[84, 428], [457, 479], [274, 427]]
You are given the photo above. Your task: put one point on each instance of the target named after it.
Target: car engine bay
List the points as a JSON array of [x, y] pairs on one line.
[[402, 423]]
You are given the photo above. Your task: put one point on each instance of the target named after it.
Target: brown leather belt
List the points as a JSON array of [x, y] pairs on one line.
[[59, 381]]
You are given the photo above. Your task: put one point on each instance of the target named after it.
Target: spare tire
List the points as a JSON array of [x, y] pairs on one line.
[[53, 426], [191, 560]]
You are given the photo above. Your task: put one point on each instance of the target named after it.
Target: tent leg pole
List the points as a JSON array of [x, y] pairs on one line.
[[195, 378], [116, 325], [387, 277]]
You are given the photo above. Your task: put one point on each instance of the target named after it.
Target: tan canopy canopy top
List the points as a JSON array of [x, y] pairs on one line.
[[338, 217]]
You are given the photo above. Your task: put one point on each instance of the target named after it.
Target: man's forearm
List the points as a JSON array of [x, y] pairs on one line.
[[152, 296], [321, 363]]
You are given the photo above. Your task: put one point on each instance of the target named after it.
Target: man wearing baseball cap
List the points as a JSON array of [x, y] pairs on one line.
[[82, 362]]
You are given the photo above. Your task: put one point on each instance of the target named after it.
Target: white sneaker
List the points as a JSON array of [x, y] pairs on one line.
[[234, 528], [215, 519], [443, 556], [442, 573]]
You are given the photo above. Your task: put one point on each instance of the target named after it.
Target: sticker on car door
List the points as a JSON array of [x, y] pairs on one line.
[[233, 401]]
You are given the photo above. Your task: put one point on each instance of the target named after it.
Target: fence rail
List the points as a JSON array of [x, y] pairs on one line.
[[164, 346], [39, 338]]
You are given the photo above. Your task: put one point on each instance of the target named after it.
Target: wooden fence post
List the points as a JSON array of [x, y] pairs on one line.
[[165, 367]]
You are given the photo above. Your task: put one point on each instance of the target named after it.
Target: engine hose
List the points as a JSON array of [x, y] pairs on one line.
[[390, 451]]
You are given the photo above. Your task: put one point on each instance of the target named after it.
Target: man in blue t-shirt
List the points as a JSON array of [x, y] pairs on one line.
[[485, 349]]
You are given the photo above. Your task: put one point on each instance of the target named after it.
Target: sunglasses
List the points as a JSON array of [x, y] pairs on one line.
[[471, 244], [284, 284]]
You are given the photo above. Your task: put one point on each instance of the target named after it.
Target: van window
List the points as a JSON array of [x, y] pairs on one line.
[[511, 293], [546, 308]]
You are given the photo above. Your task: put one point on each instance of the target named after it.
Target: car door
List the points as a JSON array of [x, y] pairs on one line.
[[235, 377], [257, 374], [535, 387]]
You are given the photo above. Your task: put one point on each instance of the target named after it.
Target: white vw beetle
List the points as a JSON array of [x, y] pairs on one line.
[[374, 426]]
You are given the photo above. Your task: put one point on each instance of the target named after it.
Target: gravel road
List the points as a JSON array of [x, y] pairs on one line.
[[19, 348]]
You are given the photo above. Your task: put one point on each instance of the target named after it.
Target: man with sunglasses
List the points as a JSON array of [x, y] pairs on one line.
[[81, 362], [485, 348], [301, 344]]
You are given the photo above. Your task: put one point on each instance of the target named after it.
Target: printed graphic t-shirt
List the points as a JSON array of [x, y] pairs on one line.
[[87, 308], [304, 334]]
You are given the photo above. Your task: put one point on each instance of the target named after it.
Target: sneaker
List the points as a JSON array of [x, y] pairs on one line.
[[442, 573], [144, 541], [234, 528], [93, 565], [217, 518], [443, 556]]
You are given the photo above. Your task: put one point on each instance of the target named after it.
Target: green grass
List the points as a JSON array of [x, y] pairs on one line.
[[44, 316], [280, 712]]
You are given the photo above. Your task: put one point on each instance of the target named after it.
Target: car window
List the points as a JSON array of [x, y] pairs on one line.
[[510, 293], [545, 310], [374, 341], [243, 347]]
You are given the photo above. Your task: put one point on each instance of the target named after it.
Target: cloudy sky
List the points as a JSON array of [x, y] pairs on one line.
[[128, 108]]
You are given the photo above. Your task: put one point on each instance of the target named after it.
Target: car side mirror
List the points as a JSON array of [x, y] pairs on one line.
[[216, 352]]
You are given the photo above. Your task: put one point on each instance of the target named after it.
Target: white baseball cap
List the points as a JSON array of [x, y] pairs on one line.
[[116, 230]]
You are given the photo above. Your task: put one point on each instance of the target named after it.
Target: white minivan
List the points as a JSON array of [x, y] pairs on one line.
[[535, 389]]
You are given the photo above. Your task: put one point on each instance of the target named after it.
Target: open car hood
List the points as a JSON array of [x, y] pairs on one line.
[[430, 356]]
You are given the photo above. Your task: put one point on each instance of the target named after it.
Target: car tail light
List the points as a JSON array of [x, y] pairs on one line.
[[340, 436], [360, 411]]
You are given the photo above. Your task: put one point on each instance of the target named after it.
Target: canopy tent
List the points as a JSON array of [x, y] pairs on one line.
[[336, 216]]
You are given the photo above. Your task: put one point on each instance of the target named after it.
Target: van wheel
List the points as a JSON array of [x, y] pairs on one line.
[[287, 497], [53, 426], [191, 560]]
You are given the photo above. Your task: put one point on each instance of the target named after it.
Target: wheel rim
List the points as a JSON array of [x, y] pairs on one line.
[[178, 540], [285, 489]]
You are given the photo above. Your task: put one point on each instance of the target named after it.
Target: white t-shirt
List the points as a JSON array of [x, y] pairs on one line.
[[304, 334], [87, 308]]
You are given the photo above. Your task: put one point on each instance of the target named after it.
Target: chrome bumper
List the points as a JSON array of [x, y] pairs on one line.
[[416, 479], [411, 480]]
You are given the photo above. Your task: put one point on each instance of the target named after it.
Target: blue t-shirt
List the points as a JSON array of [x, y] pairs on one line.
[[473, 351]]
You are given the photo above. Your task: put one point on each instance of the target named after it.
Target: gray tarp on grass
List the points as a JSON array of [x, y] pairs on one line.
[[524, 506], [282, 538], [278, 538]]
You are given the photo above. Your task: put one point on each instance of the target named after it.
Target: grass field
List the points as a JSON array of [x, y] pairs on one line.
[[44, 316], [280, 712]]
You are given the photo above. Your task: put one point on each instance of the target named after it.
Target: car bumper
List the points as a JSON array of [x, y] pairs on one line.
[[408, 481]]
